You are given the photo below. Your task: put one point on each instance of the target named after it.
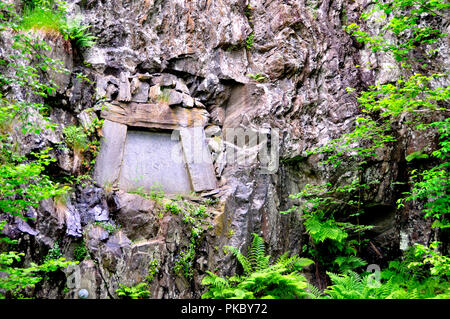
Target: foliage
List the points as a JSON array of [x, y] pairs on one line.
[[194, 216], [78, 33], [41, 18], [156, 193], [80, 251], [139, 291], [76, 138], [109, 227], [184, 262], [433, 185], [51, 16], [23, 183], [172, 207], [334, 243], [257, 77], [249, 41], [153, 269], [402, 18], [54, 252], [440, 265], [410, 278], [281, 280], [255, 260], [15, 279]]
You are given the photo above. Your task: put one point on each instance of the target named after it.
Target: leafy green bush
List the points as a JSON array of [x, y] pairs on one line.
[[139, 291], [16, 279], [410, 278], [281, 280], [76, 138], [23, 183]]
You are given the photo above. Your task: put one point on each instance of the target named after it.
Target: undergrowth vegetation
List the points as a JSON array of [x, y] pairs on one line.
[[261, 279]]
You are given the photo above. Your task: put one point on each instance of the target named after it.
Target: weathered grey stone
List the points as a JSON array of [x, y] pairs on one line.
[[60, 49], [213, 130], [154, 93], [166, 80], [117, 242], [159, 116], [153, 159], [137, 216], [139, 91], [97, 234], [198, 159], [109, 159], [181, 86], [199, 104], [188, 101], [73, 221], [100, 213], [175, 98], [24, 227], [124, 88]]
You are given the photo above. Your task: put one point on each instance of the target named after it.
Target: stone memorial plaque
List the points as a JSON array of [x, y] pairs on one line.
[[109, 160], [198, 158], [152, 159]]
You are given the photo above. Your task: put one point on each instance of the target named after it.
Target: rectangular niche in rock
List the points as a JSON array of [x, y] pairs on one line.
[[139, 149], [152, 159], [134, 158]]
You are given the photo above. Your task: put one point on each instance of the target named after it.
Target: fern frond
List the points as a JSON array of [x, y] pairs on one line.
[[245, 263], [256, 256], [314, 292]]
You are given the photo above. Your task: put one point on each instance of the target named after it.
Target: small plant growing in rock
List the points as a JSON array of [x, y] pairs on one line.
[[54, 253], [184, 262], [110, 228], [80, 251], [173, 208], [257, 77], [156, 193], [249, 41], [77, 139], [164, 96], [153, 269]]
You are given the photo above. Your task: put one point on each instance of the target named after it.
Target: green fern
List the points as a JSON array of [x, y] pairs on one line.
[[256, 259], [261, 280], [245, 263]]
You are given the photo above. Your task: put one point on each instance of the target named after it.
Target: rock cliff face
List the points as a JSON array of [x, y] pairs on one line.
[[273, 66]]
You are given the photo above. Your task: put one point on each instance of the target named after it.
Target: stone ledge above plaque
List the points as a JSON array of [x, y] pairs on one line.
[[158, 116]]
